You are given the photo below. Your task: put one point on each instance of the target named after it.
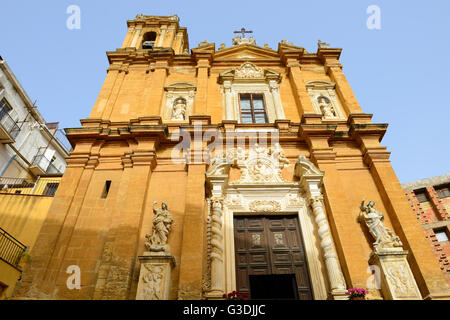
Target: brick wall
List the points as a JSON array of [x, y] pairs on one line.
[[432, 215]]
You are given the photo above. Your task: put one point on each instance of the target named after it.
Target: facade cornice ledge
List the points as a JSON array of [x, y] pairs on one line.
[[132, 55], [328, 55], [364, 129], [316, 129]]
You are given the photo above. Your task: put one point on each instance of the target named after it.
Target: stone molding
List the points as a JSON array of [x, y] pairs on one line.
[[302, 198]]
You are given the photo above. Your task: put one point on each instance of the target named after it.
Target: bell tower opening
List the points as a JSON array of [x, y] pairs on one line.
[[149, 39]]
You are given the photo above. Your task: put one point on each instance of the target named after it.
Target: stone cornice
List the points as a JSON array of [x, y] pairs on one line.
[[133, 55], [329, 57], [365, 129]]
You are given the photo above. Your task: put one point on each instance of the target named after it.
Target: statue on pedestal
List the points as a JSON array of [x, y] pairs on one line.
[[162, 223], [384, 237]]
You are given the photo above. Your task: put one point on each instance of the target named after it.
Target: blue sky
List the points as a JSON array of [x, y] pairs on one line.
[[399, 73]]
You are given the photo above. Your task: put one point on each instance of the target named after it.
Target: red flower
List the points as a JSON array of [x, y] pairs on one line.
[[224, 295]]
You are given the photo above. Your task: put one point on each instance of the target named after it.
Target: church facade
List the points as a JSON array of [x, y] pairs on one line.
[[207, 171]]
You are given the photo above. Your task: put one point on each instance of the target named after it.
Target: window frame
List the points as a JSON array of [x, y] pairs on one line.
[[252, 111], [444, 231], [443, 191]]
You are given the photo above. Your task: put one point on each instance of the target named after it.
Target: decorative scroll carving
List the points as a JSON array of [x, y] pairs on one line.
[[261, 165], [238, 40], [384, 237], [162, 223], [258, 165], [249, 70], [305, 167], [264, 206]]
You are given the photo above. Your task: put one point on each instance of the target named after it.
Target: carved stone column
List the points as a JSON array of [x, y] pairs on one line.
[[311, 180], [217, 276], [336, 278], [228, 101], [276, 99], [162, 36]]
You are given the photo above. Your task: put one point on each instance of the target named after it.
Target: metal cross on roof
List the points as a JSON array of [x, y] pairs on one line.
[[243, 31]]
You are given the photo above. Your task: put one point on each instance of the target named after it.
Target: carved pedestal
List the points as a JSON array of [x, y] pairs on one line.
[[154, 277], [397, 280]]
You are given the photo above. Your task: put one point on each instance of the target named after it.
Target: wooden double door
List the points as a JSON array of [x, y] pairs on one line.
[[270, 258]]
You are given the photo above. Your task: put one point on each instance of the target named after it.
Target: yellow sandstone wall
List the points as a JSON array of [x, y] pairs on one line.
[[21, 216]]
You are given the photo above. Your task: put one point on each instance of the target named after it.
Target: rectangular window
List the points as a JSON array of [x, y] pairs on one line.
[[4, 103], [441, 234], [421, 195], [106, 189], [253, 109], [443, 191], [50, 189]]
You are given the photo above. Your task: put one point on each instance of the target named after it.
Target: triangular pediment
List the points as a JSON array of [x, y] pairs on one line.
[[246, 52]]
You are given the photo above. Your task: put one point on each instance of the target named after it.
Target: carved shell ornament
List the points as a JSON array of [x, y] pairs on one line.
[[249, 70]]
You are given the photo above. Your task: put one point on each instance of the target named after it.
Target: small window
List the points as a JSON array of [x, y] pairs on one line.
[[253, 108], [421, 196], [106, 189], [443, 191], [50, 189], [4, 103], [149, 40], [441, 234]]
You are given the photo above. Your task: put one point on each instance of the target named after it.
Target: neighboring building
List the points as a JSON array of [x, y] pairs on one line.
[[430, 200], [283, 218], [32, 161], [28, 147]]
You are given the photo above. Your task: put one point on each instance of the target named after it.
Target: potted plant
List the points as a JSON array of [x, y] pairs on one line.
[[357, 293], [235, 295]]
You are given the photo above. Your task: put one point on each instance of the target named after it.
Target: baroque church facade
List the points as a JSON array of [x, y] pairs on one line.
[[204, 171]]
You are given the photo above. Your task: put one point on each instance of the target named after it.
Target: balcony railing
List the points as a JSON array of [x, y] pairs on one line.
[[42, 187], [42, 165], [9, 130], [11, 249]]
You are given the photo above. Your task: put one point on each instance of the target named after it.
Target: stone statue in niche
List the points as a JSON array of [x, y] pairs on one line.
[[326, 108], [152, 281], [162, 224], [179, 110], [384, 237]]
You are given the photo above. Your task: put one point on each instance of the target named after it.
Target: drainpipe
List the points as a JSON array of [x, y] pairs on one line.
[[7, 165], [35, 184]]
